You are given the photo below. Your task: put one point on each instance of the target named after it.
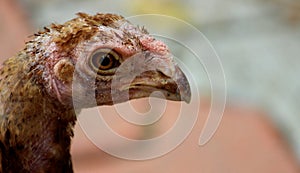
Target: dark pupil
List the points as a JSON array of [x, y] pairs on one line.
[[105, 60]]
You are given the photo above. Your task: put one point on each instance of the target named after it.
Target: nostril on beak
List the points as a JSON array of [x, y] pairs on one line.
[[161, 63], [166, 72], [167, 69]]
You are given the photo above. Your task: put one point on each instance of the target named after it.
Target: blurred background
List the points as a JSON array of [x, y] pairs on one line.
[[258, 44]]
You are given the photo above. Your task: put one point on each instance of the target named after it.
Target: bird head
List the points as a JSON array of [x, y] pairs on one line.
[[107, 58]]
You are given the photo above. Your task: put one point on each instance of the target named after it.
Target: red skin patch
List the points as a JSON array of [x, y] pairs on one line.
[[149, 43]]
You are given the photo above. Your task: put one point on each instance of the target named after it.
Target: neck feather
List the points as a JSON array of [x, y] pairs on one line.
[[35, 129]]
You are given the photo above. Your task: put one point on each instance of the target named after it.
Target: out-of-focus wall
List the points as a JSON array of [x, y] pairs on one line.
[[14, 28]]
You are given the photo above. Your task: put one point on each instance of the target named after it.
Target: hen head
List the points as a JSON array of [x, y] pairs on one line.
[[107, 58]]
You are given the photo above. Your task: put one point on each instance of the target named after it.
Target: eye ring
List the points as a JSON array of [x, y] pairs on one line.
[[104, 59]]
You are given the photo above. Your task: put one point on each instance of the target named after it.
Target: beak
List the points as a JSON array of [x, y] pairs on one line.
[[161, 74], [175, 87]]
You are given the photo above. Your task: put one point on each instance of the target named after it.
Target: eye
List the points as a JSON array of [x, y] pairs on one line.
[[104, 59]]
